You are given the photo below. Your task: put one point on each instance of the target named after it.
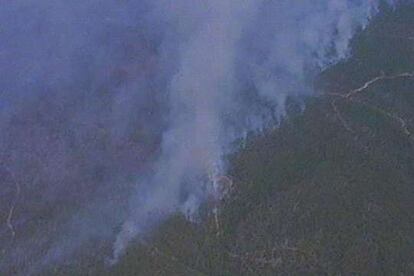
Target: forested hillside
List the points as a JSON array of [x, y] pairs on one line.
[[328, 192]]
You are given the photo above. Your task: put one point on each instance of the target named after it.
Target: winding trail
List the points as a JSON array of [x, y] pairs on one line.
[[9, 220], [351, 94], [272, 257], [376, 79]]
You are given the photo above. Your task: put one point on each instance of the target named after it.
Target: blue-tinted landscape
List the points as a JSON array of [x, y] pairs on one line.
[[207, 137]]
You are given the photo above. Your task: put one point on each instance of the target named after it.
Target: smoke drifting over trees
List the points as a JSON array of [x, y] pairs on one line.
[[114, 114]]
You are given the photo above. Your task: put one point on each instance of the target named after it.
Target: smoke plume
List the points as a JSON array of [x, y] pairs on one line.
[[117, 114]]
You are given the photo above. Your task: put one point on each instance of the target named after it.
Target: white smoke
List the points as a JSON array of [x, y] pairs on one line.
[[96, 93], [283, 40], [192, 146]]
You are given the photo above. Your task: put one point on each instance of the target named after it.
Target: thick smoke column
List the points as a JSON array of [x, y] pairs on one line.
[[193, 144], [282, 41], [103, 99]]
